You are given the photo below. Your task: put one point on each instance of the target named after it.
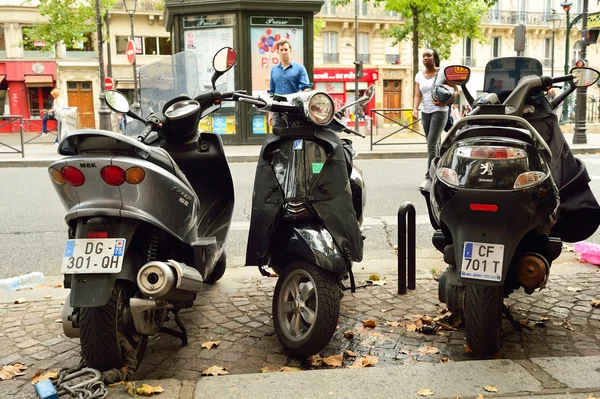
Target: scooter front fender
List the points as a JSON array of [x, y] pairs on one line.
[[316, 245]]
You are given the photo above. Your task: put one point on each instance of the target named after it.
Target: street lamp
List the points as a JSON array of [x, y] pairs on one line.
[[103, 112], [566, 5], [553, 25], [130, 6]]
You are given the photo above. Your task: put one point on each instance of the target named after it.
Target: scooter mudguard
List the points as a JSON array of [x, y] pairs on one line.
[[316, 245]]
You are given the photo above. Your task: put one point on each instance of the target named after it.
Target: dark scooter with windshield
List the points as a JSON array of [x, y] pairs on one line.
[[505, 192], [307, 208], [148, 217]]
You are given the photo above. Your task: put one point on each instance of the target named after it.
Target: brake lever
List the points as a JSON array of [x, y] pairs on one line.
[[349, 130]]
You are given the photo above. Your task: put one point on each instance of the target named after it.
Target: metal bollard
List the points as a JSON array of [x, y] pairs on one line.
[[405, 247]]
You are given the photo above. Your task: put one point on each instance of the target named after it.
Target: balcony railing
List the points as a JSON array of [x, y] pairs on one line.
[[392, 59], [365, 58], [372, 12], [518, 17], [468, 61], [142, 5], [331, 57]]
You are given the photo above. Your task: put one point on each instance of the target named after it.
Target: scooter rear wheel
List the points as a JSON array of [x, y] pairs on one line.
[[101, 328], [218, 271], [306, 307], [483, 318]]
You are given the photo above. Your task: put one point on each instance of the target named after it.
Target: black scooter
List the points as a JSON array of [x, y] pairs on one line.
[[307, 208], [496, 193]]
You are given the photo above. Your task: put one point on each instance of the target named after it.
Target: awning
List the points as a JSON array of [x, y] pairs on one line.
[[124, 84], [2, 77], [39, 81]]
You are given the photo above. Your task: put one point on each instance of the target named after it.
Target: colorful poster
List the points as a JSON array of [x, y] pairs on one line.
[[230, 124], [205, 124], [205, 43], [259, 124], [219, 124], [263, 47]]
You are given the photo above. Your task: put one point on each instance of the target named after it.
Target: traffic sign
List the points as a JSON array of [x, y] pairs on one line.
[[130, 51], [108, 83]]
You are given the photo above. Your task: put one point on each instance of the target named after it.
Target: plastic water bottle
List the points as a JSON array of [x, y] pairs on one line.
[[25, 281]]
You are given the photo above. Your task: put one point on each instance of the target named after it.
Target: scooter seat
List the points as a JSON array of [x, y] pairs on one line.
[[495, 131]]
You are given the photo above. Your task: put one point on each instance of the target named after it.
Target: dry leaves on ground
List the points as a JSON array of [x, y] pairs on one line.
[[349, 353], [595, 303], [428, 350], [38, 376], [334, 361], [315, 360], [411, 327], [491, 388], [366, 361], [148, 390], [348, 334], [12, 370], [369, 323], [208, 345], [287, 369], [47, 296], [393, 323], [214, 370], [425, 392]]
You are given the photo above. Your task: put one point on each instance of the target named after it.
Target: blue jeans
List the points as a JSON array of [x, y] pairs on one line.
[[45, 123], [433, 125]]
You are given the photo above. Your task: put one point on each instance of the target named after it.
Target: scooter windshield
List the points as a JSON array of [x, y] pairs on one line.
[[163, 80], [503, 74]]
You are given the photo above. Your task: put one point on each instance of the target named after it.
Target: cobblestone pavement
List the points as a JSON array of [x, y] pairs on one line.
[[558, 321]]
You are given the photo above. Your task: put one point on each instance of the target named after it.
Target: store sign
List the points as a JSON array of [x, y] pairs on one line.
[[276, 21], [207, 21], [344, 75]]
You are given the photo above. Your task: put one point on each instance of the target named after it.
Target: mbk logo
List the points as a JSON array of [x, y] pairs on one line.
[[486, 168], [87, 165]]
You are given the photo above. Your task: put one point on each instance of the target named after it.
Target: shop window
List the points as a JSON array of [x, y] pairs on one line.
[[87, 44], [39, 99], [150, 45], [330, 47], [2, 45]]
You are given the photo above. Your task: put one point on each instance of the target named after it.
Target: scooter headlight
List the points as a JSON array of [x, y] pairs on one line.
[[320, 108]]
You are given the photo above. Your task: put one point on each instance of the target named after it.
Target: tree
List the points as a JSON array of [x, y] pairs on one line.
[[66, 21], [434, 23]]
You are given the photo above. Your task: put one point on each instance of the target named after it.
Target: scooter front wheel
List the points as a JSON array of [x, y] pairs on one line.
[[306, 306], [483, 318]]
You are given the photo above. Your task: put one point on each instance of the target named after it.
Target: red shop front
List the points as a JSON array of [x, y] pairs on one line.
[[340, 84], [25, 91]]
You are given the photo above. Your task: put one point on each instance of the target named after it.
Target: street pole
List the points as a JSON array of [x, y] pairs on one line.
[[136, 101], [356, 124], [567, 7], [103, 112], [108, 53], [579, 137], [552, 57]]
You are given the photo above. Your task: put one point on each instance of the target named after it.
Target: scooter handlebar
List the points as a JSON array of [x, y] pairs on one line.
[[565, 78]]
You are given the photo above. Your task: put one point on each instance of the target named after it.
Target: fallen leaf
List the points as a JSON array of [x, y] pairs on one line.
[[491, 388], [480, 396], [467, 349], [58, 286], [411, 327], [595, 303], [265, 370], [392, 323], [148, 390], [348, 334], [47, 296], [425, 392], [349, 353], [366, 361], [208, 345], [214, 370], [417, 316], [38, 376], [315, 360], [369, 323], [592, 396], [130, 386], [444, 310], [428, 350], [374, 277], [405, 351], [12, 370], [444, 359], [19, 301], [287, 369], [115, 384], [334, 361]]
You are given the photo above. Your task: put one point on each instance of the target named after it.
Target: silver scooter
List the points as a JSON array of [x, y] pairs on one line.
[[148, 216]]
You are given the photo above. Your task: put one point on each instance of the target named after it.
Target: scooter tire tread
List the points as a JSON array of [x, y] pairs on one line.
[[483, 318], [218, 271], [329, 310]]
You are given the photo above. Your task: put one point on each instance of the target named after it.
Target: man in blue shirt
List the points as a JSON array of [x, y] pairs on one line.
[[287, 77]]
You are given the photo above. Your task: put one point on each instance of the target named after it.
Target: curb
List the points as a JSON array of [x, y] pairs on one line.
[[45, 162]]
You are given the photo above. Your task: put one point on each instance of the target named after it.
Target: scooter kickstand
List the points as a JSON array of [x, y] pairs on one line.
[[509, 316], [182, 335]]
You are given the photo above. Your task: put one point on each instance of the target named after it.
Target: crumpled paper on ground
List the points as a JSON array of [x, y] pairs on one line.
[[590, 252]]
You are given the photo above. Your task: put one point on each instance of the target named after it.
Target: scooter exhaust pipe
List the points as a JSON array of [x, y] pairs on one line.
[[532, 271], [169, 280]]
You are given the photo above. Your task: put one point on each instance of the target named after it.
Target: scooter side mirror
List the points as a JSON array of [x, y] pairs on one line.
[[457, 74], [369, 93], [584, 76], [116, 101], [223, 61]]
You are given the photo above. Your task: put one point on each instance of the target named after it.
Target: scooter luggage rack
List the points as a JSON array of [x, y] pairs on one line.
[[405, 247]]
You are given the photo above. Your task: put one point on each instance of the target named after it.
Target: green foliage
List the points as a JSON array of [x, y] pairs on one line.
[[318, 25], [64, 21]]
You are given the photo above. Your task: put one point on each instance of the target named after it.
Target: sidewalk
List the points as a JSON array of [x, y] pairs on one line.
[[557, 355], [40, 152]]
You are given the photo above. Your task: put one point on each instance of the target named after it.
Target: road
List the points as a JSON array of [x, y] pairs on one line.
[[33, 232]]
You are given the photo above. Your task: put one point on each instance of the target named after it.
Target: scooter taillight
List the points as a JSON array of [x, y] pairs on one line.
[[72, 175], [490, 152], [484, 207], [97, 234], [113, 175]]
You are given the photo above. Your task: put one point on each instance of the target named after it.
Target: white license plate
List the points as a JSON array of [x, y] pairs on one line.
[[93, 255], [482, 261]]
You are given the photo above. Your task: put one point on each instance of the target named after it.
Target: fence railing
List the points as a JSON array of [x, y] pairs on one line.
[[6, 120], [404, 125]]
